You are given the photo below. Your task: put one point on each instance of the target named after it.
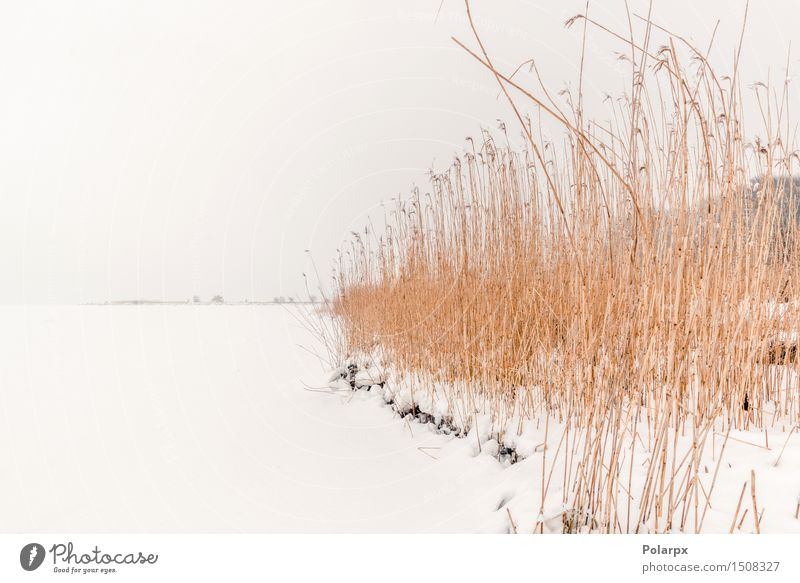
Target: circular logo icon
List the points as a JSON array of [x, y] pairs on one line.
[[31, 556]]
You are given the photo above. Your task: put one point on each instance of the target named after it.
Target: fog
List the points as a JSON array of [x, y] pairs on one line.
[[160, 150]]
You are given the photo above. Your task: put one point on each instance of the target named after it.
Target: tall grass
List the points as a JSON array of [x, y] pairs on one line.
[[628, 283]]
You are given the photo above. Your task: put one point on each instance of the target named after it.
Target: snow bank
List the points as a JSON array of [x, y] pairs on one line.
[[522, 460]]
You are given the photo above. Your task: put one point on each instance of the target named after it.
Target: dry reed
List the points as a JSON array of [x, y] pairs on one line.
[[632, 284]]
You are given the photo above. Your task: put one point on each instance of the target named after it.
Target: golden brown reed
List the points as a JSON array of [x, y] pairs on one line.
[[630, 280]]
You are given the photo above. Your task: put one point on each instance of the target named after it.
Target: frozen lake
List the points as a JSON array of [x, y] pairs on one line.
[[194, 419]]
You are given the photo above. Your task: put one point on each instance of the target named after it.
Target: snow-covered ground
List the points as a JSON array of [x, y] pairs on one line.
[[208, 419], [195, 418], [737, 470]]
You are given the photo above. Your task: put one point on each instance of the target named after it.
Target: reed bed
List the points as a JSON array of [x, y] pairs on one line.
[[631, 284]]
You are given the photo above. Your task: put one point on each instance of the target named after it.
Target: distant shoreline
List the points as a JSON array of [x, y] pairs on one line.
[[190, 303]]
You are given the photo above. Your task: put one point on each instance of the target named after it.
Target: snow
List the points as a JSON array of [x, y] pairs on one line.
[[220, 419], [726, 465], [197, 419]]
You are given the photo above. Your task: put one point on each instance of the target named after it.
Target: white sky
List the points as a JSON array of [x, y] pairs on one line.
[[165, 149]]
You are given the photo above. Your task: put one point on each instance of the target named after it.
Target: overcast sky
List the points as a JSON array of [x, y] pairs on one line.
[[165, 149]]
